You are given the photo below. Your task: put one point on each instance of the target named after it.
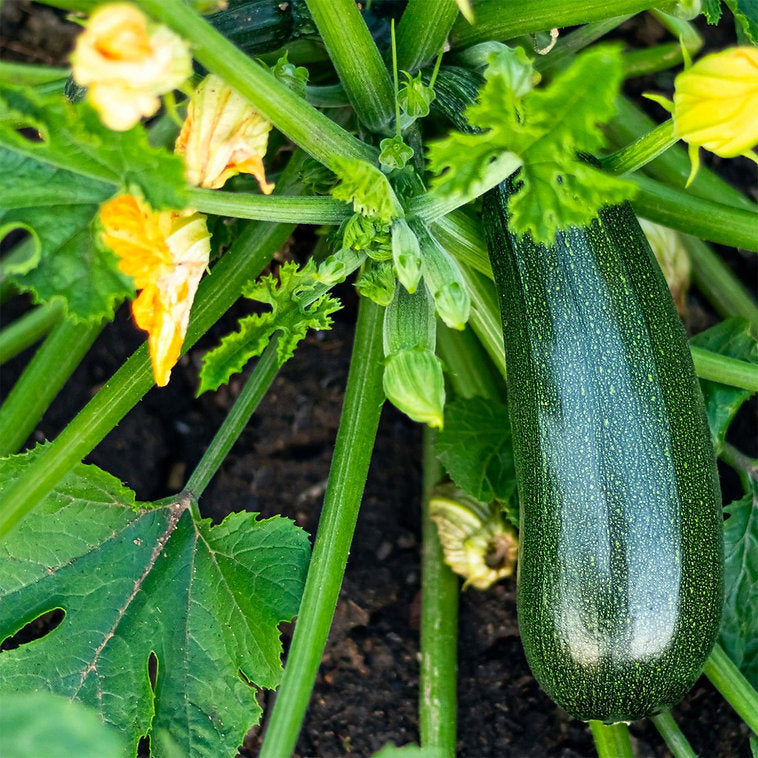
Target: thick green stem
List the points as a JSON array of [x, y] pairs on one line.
[[673, 736], [736, 690], [611, 740], [236, 420], [303, 124], [503, 19], [29, 328], [422, 31], [293, 210], [47, 372], [652, 59], [707, 219], [247, 257], [673, 166], [352, 454], [641, 151], [439, 626], [720, 286], [461, 235], [721, 368], [357, 60], [467, 364]]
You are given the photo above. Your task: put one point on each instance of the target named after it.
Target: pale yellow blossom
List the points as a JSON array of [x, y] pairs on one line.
[[223, 135], [126, 63], [716, 104], [165, 253]]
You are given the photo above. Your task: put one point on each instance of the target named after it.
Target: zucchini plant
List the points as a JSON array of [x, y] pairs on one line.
[[463, 163]]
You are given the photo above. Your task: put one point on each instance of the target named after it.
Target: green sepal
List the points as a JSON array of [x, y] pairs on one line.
[[414, 383], [395, 153]]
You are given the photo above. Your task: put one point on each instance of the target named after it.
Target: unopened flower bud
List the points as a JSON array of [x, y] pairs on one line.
[[414, 383]]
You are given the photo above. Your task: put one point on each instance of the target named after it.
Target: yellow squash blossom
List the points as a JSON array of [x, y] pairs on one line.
[[165, 253], [223, 135], [126, 63], [716, 104]]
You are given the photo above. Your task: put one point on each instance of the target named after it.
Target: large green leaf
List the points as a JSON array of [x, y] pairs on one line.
[[73, 138], [731, 338], [474, 446], [138, 581], [739, 626], [57, 207]]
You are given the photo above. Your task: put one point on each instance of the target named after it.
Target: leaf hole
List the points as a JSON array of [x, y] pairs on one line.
[[152, 670], [31, 134], [36, 629]]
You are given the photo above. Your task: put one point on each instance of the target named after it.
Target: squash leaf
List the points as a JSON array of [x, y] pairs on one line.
[[739, 625], [142, 582], [548, 129], [57, 208], [73, 138], [40, 723], [474, 446], [291, 315], [733, 339], [367, 188]]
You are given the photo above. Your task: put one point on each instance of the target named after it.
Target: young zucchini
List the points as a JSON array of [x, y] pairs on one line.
[[621, 550]]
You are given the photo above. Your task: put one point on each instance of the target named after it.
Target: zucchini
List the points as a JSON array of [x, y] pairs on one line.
[[620, 578]]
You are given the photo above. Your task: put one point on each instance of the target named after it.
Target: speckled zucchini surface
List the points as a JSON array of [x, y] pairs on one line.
[[620, 575]]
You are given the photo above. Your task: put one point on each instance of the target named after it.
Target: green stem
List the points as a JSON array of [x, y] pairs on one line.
[[467, 364], [244, 261], [651, 60], [28, 75], [673, 736], [736, 690], [47, 372], [485, 316], [641, 151], [611, 740], [707, 219], [293, 210], [422, 31], [739, 461], [236, 420], [684, 31], [326, 95], [357, 60], [439, 626], [29, 328], [673, 166], [303, 124], [721, 368], [503, 19], [461, 235], [347, 477], [720, 286]]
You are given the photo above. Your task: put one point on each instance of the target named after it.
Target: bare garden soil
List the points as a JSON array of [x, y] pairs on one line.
[[367, 689]]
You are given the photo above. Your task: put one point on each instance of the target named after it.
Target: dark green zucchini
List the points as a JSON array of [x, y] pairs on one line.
[[620, 577], [260, 26]]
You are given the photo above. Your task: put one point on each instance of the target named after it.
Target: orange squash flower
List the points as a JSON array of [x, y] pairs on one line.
[[223, 135], [165, 253], [126, 63]]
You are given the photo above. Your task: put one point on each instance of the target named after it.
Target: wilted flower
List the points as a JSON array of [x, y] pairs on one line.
[[223, 135], [715, 104], [126, 63], [476, 542], [165, 253]]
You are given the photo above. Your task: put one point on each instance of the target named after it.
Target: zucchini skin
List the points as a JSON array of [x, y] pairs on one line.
[[620, 573]]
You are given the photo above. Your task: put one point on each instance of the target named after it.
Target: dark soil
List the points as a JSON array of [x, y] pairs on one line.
[[367, 689]]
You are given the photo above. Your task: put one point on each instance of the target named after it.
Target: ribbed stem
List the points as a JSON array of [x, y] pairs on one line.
[[236, 420], [439, 626], [302, 123], [736, 690], [641, 151], [357, 60], [611, 740], [503, 19], [29, 328], [721, 368], [36, 388], [347, 478], [672, 735], [422, 31]]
